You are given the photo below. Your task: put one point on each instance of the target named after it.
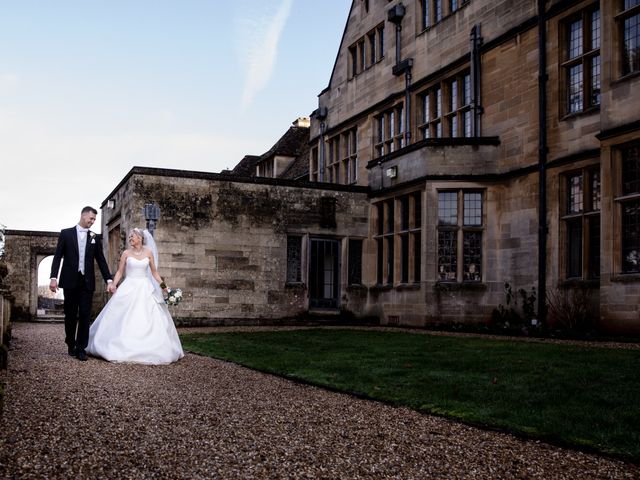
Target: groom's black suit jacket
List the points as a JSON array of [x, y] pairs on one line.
[[68, 249]]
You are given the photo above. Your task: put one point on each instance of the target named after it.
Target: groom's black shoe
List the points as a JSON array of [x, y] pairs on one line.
[[72, 351], [82, 355]]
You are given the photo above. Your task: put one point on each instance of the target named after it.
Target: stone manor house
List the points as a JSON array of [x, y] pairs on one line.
[[459, 145]]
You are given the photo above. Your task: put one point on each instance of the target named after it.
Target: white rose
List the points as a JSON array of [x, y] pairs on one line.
[[179, 294], [172, 299]]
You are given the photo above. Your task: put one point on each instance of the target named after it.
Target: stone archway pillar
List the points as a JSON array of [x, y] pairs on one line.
[[5, 316], [23, 249]]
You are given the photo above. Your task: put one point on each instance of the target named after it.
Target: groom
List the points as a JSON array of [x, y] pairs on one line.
[[79, 247]]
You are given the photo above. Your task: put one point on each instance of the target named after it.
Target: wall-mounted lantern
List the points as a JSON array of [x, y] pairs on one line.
[[151, 215]]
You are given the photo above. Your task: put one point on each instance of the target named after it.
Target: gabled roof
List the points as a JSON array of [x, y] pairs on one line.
[[299, 168]]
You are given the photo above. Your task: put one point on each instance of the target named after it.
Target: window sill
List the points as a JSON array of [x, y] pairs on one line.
[[625, 78], [408, 287], [381, 288], [575, 216], [583, 113], [580, 283], [626, 277], [295, 286], [457, 286], [356, 288]]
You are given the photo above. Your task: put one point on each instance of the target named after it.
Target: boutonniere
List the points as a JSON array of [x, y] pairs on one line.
[[93, 237]]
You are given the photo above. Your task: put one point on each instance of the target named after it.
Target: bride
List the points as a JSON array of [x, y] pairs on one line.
[[135, 325]]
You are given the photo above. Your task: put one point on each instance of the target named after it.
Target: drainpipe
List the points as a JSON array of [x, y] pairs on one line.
[[542, 159], [321, 115], [476, 108], [407, 110], [402, 67], [395, 15]]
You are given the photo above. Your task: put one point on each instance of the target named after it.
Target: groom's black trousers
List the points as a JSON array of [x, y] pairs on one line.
[[77, 310]]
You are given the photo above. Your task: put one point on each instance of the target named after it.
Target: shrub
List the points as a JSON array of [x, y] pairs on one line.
[[570, 310], [513, 317]]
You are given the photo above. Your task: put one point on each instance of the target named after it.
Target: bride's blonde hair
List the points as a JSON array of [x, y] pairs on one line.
[[139, 233]]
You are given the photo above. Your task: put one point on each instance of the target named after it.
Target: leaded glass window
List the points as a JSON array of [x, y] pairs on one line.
[[630, 207], [294, 259], [630, 21], [447, 255], [460, 236], [390, 130], [582, 224], [399, 244], [473, 209], [446, 108], [581, 61], [448, 208], [472, 256], [631, 237], [575, 194], [631, 171]]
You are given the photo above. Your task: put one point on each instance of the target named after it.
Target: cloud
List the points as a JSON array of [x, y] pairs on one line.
[[261, 37]]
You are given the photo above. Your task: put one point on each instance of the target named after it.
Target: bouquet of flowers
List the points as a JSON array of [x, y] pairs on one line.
[[174, 296]]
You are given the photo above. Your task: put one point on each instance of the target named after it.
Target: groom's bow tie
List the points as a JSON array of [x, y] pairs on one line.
[[84, 230]]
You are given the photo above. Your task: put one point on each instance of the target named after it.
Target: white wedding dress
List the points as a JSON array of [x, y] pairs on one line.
[[135, 325]]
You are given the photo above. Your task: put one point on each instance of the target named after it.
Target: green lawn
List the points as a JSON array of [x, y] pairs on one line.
[[571, 395]]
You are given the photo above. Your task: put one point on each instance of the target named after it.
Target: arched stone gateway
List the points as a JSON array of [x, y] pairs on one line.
[[24, 250]]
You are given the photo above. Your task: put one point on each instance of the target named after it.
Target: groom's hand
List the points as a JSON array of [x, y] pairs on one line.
[[111, 288], [53, 285]]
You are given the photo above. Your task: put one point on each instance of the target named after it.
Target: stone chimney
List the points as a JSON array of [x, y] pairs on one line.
[[303, 122]]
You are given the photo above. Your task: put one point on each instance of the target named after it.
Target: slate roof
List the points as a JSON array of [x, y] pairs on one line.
[[291, 144], [246, 167], [294, 143]]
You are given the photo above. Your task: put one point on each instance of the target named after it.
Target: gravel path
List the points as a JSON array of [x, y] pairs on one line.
[[204, 418]]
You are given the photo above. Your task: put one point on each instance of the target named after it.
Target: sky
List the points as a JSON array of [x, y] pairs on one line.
[[89, 89]]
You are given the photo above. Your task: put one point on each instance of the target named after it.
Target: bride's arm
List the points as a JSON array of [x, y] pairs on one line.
[[154, 272], [121, 265]]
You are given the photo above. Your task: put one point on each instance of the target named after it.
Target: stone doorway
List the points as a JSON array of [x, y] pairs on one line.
[[50, 305], [324, 274]]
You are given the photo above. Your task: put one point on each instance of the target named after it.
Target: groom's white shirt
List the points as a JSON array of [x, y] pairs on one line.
[[82, 246]]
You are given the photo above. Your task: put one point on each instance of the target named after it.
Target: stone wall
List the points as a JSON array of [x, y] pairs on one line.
[[224, 242], [510, 98]]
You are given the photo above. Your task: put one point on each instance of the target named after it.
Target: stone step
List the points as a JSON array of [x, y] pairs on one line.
[[48, 318]]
